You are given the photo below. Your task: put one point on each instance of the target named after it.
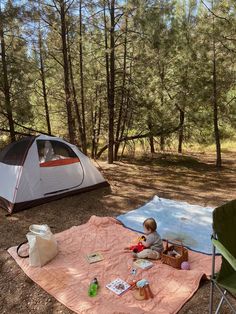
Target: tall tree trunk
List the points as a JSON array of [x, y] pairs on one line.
[[162, 142], [75, 101], [126, 122], [106, 53], [42, 74], [111, 99], [70, 120], [181, 130], [162, 77], [215, 102], [84, 140], [6, 87], [122, 91], [151, 142], [151, 139], [99, 127], [96, 121]]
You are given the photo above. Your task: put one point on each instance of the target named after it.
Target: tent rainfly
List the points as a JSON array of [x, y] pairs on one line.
[[38, 169]]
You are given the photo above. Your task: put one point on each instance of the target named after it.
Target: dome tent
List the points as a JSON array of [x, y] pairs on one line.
[[38, 169]]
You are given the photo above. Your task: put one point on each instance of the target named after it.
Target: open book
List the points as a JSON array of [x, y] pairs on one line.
[[143, 263], [94, 257], [118, 286]]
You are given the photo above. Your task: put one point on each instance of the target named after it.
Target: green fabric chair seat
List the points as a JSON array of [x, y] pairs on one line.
[[228, 283], [224, 240]]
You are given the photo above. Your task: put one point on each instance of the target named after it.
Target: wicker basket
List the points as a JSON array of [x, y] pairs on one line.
[[174, 261]]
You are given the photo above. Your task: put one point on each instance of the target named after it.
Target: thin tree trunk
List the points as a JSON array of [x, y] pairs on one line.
[[122, 91], [106, 53], [151, 142], [181, 130], [111, 99], [162, 77], [99, 127], [151, 139], [94, 121], [6, 87], [127, 125], [42, 74], [127, 107], [75, 101], [96, 118], [215, 103], [70, 120], [107, 64], [162, 142], [84, 141]]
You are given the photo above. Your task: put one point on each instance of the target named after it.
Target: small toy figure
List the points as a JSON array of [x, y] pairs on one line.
[[143, 290], [138, 247]]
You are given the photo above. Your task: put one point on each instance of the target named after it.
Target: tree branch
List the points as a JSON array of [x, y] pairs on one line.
[[22, 126], [139, 136], [213, 13], [16, 132]]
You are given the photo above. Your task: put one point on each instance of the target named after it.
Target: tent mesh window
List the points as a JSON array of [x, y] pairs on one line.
[[14, 153], [51, 150]]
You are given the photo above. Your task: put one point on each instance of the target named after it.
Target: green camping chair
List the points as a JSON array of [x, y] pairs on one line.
[[224, 240]]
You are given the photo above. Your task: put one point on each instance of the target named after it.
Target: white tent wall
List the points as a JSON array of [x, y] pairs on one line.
[[91, 174], [62, 178], [29, 187], [37, 181], [9, 177]]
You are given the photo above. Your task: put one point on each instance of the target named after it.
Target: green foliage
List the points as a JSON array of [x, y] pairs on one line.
[[167, 69], [18, 64]]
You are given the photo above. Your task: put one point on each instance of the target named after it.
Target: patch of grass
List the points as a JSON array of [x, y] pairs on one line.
[[167, 159], [228, 146]]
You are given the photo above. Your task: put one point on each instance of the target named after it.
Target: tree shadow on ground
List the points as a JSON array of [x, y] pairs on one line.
[[173, 160], [193, 179]]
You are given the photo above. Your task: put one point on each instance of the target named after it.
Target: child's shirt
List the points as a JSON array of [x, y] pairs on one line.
[[153, 242]]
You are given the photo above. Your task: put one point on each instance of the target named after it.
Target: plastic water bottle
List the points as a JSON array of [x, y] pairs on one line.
[[93, 288]]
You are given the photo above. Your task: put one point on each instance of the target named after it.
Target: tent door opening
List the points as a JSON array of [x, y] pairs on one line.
[[60, 167]]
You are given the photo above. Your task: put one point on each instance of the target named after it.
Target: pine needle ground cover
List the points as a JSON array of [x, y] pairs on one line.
[[133, 182]]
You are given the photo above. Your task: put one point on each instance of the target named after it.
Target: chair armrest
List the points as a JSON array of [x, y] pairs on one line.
[[223, 251]]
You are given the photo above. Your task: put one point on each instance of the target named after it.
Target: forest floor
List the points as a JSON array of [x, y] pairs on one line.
[[191, 178]]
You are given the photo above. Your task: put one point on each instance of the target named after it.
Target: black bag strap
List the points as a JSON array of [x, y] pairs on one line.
[[18, 247]]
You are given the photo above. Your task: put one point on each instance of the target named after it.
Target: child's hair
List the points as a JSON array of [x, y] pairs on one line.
[[150, 224]]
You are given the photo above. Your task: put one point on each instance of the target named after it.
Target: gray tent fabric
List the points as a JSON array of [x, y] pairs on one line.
[[14, 153]]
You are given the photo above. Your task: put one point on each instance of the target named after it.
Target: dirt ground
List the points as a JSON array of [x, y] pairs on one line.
[[133, 182]]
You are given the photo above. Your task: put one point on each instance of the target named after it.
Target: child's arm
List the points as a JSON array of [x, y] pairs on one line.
[[148, 241], [145, 243]]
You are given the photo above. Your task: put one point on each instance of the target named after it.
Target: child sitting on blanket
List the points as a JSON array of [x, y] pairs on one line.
[[152, 243]]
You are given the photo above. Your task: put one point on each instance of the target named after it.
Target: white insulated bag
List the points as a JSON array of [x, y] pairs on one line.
[[42, 245]]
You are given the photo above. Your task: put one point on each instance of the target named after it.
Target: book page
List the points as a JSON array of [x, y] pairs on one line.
[[118, 286]]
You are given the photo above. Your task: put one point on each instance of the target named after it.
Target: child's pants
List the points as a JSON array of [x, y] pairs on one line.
[[148, 253]]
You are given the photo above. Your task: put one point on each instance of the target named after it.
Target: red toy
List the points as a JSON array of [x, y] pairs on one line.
[[138, 247]]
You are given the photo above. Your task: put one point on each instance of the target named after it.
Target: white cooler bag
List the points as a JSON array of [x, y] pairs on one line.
[[42, 245]]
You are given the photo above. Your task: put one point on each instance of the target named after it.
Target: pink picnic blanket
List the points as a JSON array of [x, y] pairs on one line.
[[68, 275]]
